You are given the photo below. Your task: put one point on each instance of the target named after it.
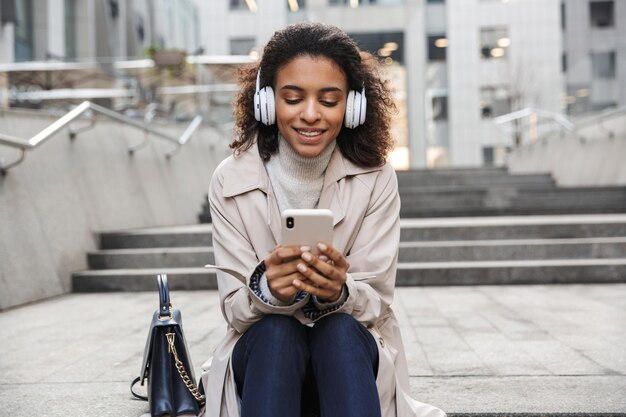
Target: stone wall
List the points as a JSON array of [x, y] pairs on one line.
[[590, 156], [53, 205]]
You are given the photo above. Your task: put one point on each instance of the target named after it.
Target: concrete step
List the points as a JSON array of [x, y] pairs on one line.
[[158, 237], [551, 271], [500, 250], [456, 171], [143, 279], [410, 189], [151, 258], [499, 201], [408, 179], [586, 248], [431, 229], [513, 227]]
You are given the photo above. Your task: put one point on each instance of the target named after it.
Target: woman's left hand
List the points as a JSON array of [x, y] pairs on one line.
[[325, 274]]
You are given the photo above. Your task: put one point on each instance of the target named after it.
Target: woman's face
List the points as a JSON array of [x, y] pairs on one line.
[[311, 97]]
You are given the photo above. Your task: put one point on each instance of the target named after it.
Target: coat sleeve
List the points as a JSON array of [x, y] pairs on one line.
[[237, 263], [373, 256]]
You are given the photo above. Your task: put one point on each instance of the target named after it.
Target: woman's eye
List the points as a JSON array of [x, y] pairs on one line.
[[329, 103], [292, 100]]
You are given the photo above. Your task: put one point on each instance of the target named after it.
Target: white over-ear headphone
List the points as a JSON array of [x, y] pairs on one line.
[[355, 109], [264, 103], [265, 112]]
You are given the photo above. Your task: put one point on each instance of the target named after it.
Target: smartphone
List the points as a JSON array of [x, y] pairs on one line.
[[307, 227]]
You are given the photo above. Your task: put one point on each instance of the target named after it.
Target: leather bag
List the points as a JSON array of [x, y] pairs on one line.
[[166, 363]]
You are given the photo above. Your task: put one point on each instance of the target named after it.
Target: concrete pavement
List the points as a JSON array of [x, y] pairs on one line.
[[543, 349]]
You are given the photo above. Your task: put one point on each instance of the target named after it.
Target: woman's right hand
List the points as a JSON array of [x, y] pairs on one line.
[[281, 270]]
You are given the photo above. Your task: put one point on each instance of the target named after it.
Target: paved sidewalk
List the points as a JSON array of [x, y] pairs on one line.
[[481, 349]]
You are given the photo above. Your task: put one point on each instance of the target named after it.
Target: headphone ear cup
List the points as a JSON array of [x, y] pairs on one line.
[[271, 106], [363, 101], [257, 105], [263, 105], [356, 110], [349, 110]]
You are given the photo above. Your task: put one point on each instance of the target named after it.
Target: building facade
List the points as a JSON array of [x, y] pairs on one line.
[[594, 54], [464, 62], [94, 30], [455, 64]]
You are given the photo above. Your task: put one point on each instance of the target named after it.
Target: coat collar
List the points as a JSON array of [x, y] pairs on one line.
[[247, 172]]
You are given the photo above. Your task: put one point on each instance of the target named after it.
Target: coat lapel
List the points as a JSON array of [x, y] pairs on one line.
[[248, 173], [338, 169]]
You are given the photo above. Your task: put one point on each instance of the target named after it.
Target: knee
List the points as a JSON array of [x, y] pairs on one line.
[[336, 328], [279, 330]]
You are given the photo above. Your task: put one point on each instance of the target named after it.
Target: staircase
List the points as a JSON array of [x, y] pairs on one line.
[[475, 192], [495, 192], [439, 251], [479, 226]]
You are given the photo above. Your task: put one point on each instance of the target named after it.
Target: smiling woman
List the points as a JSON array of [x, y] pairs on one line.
[[310, 332]]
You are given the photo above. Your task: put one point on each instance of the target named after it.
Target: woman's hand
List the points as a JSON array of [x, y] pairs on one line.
[[325, 275], [281, 272]]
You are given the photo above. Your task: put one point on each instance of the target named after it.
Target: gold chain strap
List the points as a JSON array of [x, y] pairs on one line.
[[181, 370]]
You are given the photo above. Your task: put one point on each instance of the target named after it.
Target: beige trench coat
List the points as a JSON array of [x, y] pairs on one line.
[[246, 228]]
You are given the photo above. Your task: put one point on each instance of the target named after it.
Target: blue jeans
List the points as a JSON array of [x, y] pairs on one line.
[[286, 369]]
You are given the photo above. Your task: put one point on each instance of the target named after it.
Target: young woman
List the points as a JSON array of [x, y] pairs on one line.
[[309, 334]]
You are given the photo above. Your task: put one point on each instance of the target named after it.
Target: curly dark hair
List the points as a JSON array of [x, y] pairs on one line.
[[367, 145]]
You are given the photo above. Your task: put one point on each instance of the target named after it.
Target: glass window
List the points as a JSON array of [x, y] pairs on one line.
[[238, 4], [603, 65], [388, 46], [440, 108], [8, 14], [24, 31], [601, 13], [494, 42], [70, 29], [436, 1], [494, 102], [437, 45], [241, 46], [357, 3], [488, 156]]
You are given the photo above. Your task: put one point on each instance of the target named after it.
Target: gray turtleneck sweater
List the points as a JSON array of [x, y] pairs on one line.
[[297, 183]]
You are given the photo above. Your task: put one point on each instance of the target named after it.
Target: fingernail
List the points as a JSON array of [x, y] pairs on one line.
[[305, 248], [322, 247], [301, 268], [307, 256], [323, 258], [296, 283]]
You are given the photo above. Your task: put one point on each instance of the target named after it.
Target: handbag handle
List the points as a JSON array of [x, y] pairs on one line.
[[164, 297]]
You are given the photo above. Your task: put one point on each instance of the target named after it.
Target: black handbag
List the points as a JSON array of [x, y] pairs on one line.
[[167, 364]]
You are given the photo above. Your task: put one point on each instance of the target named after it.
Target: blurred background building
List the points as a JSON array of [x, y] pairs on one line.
[[456, 65]]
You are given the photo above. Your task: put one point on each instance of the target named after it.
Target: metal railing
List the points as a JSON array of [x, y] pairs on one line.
[[90, 108], [510, 123], [599, 119]]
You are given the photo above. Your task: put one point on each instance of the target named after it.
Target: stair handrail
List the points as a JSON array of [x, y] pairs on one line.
[[559, 118], [88, 107], [599, 119]]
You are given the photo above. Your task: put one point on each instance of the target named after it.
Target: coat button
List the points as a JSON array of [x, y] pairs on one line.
[[382, 342]]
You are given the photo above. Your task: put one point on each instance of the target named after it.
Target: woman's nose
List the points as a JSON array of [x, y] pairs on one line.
[[310, 113]]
